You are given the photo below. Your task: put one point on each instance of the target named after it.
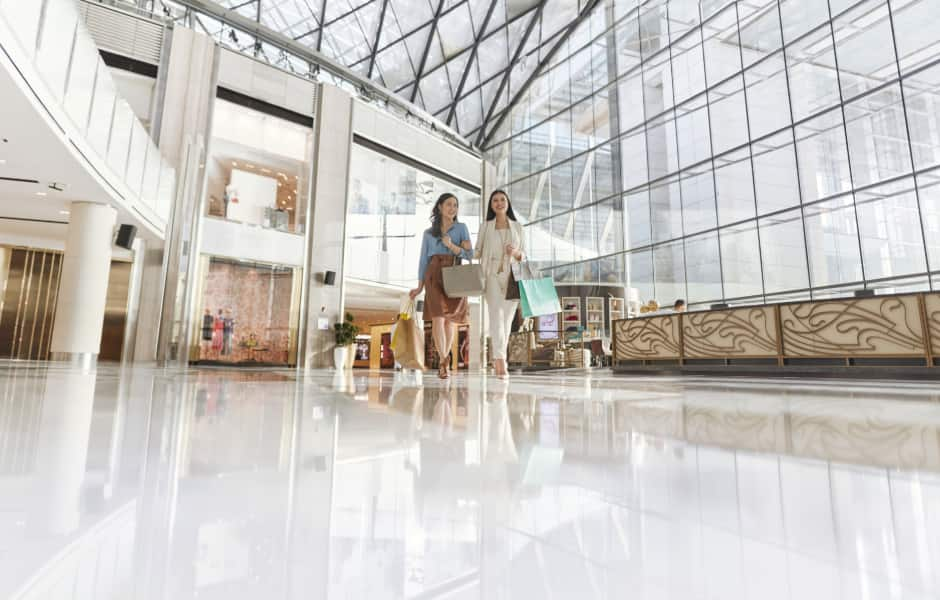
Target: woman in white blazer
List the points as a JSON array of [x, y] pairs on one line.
[[500, 243]]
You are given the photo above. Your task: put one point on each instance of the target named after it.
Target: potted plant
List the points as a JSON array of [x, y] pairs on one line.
[[346, 333]]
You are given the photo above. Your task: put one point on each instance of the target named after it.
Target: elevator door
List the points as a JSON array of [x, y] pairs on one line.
[[29, 280]]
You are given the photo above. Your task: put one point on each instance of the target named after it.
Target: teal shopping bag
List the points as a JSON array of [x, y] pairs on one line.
[[538, 297]]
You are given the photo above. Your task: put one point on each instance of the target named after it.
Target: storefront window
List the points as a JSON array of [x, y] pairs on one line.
[[390, 206], [259, 168], [248, 313]]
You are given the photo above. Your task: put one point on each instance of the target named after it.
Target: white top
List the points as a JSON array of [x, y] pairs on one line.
[[491, 246]]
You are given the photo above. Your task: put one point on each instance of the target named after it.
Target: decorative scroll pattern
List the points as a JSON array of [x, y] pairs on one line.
[[863, 432], [659, 418], [647, 338], [736, 428], [932, 302], [866, 327], [873, 442], [736, 333], [519, 348]]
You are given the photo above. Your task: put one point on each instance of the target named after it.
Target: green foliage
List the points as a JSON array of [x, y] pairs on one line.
[[346, 332]]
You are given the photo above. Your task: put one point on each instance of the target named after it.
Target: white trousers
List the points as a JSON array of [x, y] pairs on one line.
[[501, 313]]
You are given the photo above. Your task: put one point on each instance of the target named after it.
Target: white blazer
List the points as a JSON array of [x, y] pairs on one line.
[[490, 250]]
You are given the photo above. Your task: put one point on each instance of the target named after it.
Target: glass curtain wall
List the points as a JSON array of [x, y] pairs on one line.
[[390, 205], [734, 151]]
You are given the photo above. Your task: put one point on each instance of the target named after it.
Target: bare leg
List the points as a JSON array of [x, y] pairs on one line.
[[499, 365], [451, 332], [439, 333]]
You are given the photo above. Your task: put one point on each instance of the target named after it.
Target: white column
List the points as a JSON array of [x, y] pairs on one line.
[[326, 229], [83, 289]]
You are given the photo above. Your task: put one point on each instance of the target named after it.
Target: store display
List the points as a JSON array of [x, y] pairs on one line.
[[595, 316]]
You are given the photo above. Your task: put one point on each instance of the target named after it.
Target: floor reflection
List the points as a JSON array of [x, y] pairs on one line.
[[146, 483]]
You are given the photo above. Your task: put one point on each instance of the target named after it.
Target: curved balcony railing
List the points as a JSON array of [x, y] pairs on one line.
[[51, 37]]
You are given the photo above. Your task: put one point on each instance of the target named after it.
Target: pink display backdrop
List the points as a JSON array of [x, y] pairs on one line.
[[259, 299]]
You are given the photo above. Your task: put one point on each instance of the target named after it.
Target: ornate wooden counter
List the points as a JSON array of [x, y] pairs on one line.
[[887, 330]]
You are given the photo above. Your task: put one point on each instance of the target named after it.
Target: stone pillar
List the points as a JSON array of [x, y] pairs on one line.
[[83, 288], [149, 302], [191, 72], [326, 225]]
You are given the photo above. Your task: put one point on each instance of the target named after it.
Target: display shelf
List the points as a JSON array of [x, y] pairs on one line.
[[570, 313], [594, 311], [616, 309]]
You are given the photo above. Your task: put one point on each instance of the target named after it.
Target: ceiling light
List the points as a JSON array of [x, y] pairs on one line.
[[234, 164], [40, 193], [264, 170], [63, 212], [3, 161], [250, 166]]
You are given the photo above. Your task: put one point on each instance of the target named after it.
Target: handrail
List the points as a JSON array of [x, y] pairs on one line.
[[49, 44]]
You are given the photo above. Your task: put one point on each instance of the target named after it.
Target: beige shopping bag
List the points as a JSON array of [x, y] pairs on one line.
[[461, 281], [408, 341]]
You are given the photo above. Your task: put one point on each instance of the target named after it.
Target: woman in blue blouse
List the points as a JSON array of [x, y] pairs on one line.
[[443, 242]]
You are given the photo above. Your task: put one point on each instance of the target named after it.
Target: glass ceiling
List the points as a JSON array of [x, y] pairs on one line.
[[460, 60]]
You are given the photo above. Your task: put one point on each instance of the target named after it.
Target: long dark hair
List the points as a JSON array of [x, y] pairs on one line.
[[436, 216], [491, 214]]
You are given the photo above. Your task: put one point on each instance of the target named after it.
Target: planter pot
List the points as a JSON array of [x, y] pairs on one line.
[[340, 357], [350, 356]]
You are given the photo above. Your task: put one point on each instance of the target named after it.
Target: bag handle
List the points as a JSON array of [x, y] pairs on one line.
[[409, 308]]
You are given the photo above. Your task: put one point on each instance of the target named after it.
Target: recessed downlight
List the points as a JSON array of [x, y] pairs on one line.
[[41, 193], [64, 212]]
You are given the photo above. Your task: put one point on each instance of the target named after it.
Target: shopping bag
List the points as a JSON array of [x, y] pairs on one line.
[[461, 281], [538, 297], [408, 341], [519, 272]]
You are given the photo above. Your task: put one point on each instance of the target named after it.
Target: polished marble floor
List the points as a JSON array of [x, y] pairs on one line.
[[146, 483]]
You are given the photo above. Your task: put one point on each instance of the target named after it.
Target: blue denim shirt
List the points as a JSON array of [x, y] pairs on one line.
[[431, 245]]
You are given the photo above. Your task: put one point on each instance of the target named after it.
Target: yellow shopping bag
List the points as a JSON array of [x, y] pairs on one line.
[[408, 340]]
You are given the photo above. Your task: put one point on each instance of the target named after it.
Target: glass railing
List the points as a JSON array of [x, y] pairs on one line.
[[52, 35]]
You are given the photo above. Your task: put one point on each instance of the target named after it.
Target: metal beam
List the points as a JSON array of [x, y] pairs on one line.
[[322, 26], [378, 36], [473, 56], [443, 14], [244, 4], [427, 49], [257, 20], [515, 57], [279, 40], [585, 13]]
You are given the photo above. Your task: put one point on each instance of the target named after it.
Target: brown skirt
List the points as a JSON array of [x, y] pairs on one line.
[[436, 302]]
